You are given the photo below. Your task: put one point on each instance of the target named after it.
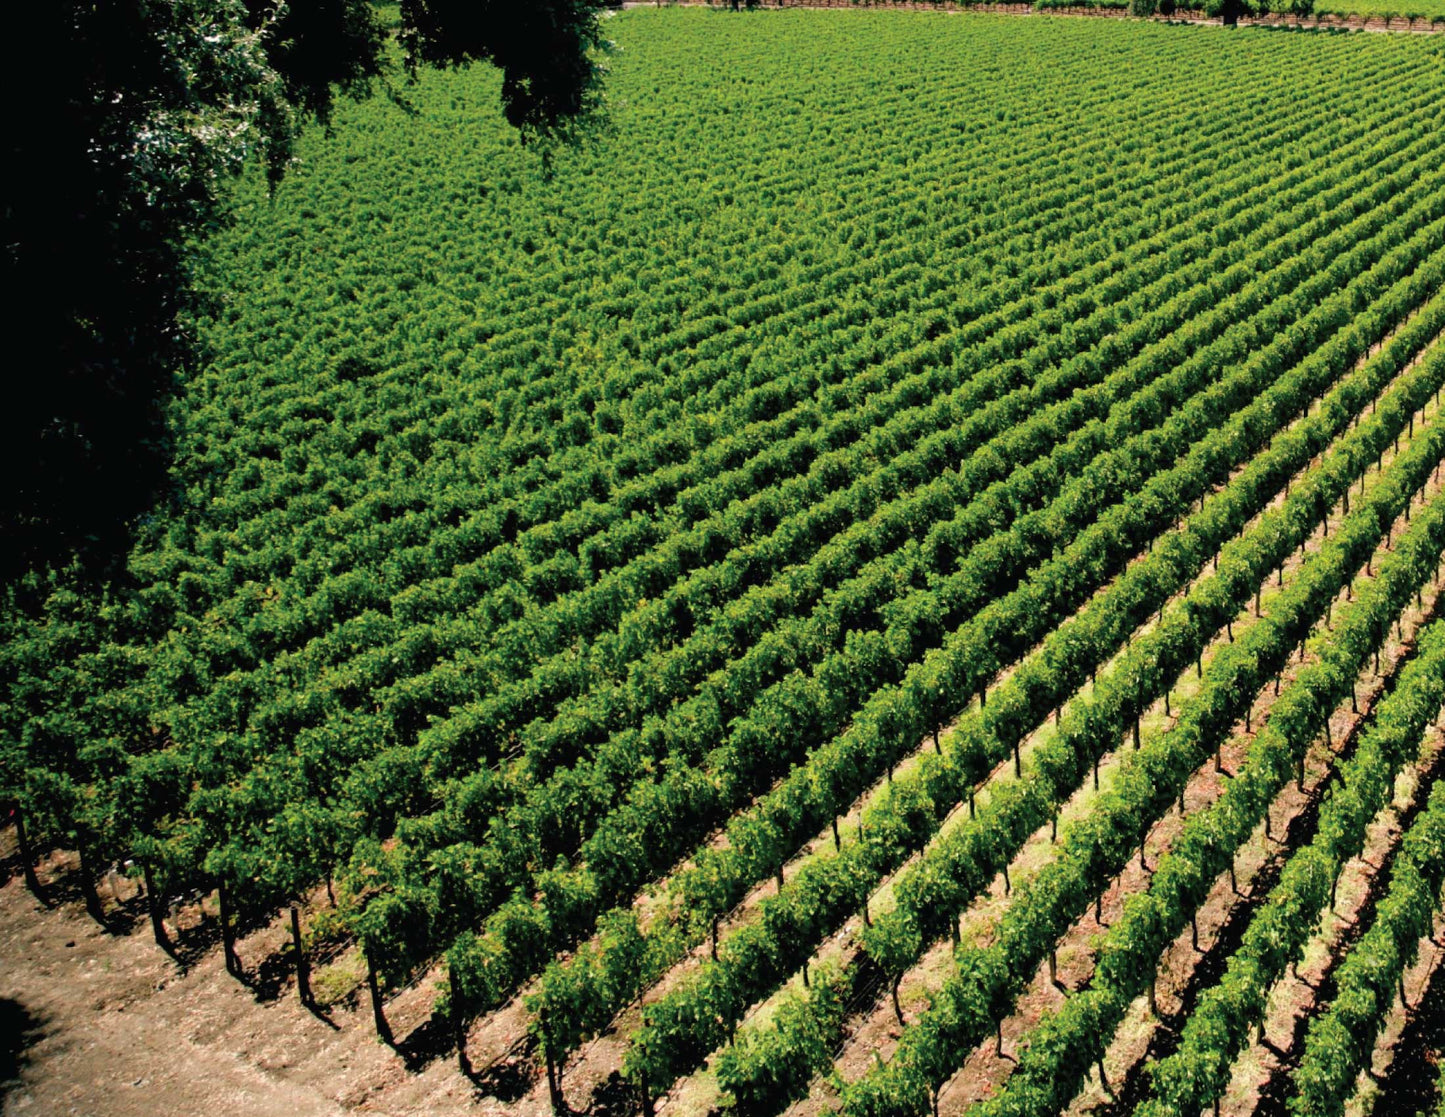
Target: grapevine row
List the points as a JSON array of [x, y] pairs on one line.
[[1095, 848], [1061, 1049], [929, 891]]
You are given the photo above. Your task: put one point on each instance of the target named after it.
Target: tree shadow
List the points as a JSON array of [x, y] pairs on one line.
[[61, 890], [869, 984], [509, 1078], [191, 945], [124, 916], [20, 1030], [424, 1044], [11, 868], [614, 1097], [322, 1015]]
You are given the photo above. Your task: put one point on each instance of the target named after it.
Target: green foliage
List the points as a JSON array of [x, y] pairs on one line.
[[536, 539], [892, 727], [766, 1070], [1098, 845]]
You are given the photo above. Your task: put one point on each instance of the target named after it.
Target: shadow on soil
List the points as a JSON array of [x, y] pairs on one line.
[[615, 1097], [425, 1044], [20, 1030], [509, 1078], [1409, 1086]]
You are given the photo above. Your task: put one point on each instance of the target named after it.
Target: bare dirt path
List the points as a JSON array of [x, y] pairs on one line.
[[95, 1022]]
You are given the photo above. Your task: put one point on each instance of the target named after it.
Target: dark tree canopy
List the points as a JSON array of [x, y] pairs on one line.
[[117, 152], [546, 49], [317, 46]]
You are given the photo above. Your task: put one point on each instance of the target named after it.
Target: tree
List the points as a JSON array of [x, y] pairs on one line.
[[140, 112], [548, 52], [1227, 11]]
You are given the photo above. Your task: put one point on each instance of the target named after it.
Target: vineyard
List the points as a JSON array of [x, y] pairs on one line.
[[902, 578]]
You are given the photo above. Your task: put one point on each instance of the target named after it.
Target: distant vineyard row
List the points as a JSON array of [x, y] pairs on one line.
[[1388, 15]]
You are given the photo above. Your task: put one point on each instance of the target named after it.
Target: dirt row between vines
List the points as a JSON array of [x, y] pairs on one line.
[[1185, 971], [1262, 1073]]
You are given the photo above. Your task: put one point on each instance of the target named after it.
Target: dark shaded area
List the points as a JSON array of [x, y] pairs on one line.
[[189, 946], [869, 985], [544, 48], [426, 1043], [510, 1077], [131, 126], [129, 129], [94, 276], [614, 1097], [1411, 1085], [322, 47], [128, 915], [11, 866], [20, 1030], [268, 978]]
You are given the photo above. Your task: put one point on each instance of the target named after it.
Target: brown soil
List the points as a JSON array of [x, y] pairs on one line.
[[104, 1022]]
